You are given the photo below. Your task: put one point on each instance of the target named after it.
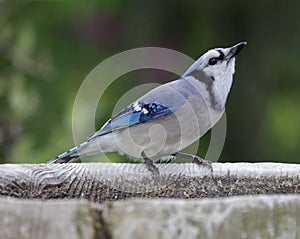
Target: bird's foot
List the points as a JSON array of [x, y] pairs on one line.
[[150, 165], [204, 163], [195, 159]]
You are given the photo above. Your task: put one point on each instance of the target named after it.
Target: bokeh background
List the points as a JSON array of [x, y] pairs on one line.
[[48, 47]]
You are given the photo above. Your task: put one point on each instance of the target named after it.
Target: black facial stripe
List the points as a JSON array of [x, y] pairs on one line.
[[221, 57]]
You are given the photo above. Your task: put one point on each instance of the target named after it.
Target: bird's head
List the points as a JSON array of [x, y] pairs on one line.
[[215, 70], [217, 64]]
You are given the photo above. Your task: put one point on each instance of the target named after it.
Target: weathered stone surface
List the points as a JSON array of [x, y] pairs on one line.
[[257, 217], [25, 219], [100, 182]]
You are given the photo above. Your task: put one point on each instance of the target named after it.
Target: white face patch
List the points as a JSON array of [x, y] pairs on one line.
[[202, 62], [210, 54]]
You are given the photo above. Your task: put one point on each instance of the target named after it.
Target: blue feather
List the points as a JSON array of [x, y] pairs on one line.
[[136, 113]]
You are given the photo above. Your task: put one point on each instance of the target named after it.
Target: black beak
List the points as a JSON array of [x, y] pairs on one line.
[[236, 49]]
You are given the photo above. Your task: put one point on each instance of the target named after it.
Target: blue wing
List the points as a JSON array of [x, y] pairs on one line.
[[136, 113], [157, 103]]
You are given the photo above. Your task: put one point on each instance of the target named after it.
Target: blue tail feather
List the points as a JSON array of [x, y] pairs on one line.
[[66, 157]]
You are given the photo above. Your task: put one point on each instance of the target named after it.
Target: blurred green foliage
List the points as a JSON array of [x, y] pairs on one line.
[[48, 47]]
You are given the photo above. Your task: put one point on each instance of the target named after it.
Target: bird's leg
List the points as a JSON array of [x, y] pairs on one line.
[[149, 164], [195, 159]]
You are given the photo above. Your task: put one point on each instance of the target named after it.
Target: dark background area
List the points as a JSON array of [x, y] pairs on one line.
[[48, 47]]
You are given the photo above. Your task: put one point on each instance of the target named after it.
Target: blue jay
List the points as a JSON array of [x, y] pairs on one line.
[[168, 118]]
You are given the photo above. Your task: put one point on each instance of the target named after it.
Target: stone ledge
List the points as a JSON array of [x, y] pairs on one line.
[[263, 216], [100, 182]]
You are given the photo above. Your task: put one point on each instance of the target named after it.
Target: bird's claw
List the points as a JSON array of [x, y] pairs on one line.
[[204, 163], [150, 165]]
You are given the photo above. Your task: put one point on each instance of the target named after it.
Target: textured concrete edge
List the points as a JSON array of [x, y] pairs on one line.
[[187, 169], [263, 216], [100, 182]]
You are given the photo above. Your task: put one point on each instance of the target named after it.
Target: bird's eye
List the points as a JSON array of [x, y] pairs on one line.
[[212, 61]]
